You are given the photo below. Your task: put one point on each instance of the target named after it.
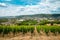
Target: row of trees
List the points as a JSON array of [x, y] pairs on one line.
[[31, 22], [34, 22]]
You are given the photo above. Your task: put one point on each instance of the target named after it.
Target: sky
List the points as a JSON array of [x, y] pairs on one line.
[[29, 7]]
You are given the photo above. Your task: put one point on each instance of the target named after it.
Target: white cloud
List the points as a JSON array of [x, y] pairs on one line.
[[3, 5], [45, 6], [51, 6], [10, 11]]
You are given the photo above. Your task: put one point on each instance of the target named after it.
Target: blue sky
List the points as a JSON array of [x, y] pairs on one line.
[[29, 7], [21, 2]]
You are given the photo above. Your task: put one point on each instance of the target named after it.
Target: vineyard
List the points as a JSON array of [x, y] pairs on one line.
[[28, 28]]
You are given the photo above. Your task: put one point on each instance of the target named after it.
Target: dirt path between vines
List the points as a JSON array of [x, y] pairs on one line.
[[32, 38]]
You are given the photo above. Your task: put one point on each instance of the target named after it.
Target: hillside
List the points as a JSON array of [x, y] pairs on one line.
[[57, 16], [40, 16]]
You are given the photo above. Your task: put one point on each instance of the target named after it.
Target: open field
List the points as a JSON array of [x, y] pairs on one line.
[[29, 32]]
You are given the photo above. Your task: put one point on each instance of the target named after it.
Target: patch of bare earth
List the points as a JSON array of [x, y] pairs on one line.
[[27, 37]]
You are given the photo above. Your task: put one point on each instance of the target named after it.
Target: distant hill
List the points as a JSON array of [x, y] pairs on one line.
[[40, 16], [56, 16]]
